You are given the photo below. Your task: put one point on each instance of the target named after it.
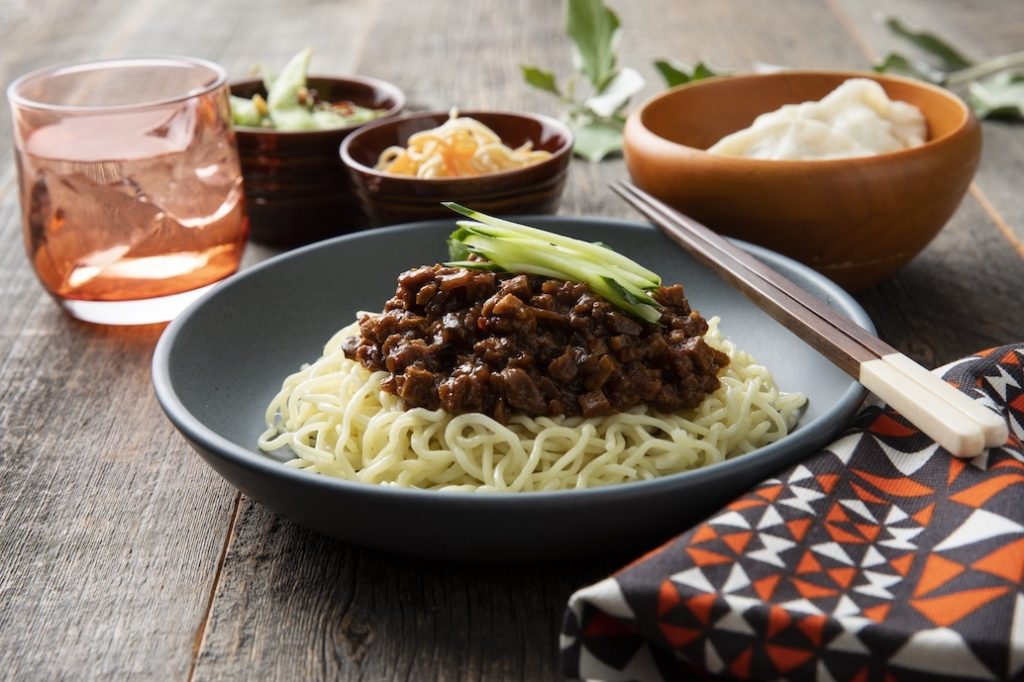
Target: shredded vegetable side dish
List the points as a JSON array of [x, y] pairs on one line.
[[291, 105], [460, 147]]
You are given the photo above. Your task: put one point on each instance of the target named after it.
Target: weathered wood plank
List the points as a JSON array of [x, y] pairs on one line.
[[296, 605], [111, 529]]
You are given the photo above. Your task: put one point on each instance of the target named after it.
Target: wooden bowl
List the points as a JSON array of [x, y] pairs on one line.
[[855, 220], [296, 190], [388, 198]]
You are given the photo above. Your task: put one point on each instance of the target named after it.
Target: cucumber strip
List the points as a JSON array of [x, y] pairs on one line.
[[475, 265], [599, 252], [639, 284], [578, 250], [512, 247], [511, 250]]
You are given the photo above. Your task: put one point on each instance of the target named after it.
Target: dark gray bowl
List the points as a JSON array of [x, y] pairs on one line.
[[218, 365]]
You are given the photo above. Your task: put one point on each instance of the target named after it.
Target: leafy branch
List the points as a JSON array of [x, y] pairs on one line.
[[596, 120], [994, 91]]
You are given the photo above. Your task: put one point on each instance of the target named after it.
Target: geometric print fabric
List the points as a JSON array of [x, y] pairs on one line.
[[880, 558]]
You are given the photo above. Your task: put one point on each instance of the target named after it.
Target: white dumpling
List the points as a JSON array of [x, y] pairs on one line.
[[855, 119]]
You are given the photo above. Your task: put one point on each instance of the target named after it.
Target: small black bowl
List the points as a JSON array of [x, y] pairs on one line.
[[296, 189], [388, 198]]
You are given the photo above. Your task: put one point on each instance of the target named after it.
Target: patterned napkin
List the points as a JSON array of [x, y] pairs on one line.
[[880, 558]]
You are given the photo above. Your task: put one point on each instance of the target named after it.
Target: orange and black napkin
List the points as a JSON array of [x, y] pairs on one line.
[[880, 558]]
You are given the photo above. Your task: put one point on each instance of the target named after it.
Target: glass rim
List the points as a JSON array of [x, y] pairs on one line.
[[221, 78]]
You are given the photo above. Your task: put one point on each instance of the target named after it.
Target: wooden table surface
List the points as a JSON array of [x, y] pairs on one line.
[[123, 555]]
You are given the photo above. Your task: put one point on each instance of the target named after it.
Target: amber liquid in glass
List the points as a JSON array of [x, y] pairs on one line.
[[152, 210]]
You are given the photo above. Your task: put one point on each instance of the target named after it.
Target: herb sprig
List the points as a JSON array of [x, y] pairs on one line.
[[597, 119], [994, 90]]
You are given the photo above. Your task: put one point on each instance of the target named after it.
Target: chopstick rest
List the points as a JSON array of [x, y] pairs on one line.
[[957, 423]]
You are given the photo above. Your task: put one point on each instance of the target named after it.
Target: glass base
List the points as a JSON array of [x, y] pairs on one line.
[[142, 311]]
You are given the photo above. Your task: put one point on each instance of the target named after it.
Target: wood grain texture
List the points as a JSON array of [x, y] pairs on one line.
[[121, 555], [111, 529], [296, 605]]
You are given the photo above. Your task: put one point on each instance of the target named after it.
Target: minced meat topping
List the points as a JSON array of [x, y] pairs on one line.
[[476, 341]]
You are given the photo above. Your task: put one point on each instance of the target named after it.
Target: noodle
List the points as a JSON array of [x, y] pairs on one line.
[[337, 421], [458, 147]]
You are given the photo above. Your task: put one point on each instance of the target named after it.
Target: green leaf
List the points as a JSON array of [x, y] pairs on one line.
[[626, 83], [671, 74], [951, 58], [597, 139], [702, 70], [675, 73], [999, 96], [900, 65], [540, 79], [593, 28]]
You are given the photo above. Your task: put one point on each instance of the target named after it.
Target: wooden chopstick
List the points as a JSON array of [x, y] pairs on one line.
[[953, 420]]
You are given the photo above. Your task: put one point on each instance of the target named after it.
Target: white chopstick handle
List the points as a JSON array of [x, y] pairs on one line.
[[946, 425], [994, 426]]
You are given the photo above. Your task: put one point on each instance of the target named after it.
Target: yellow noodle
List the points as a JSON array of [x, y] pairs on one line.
[[461, 146], [335, 419]]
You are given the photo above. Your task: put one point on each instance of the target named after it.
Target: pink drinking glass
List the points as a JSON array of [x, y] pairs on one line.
[[131, 191]]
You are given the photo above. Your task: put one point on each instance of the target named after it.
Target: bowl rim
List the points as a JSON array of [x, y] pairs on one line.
[[556, 156], [386, 87], [202, 437], [966, 123]]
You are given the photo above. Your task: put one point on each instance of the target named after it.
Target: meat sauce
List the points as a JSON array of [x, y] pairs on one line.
[[476, 341]]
